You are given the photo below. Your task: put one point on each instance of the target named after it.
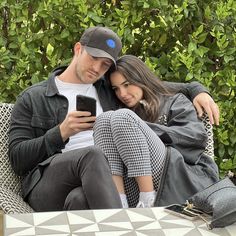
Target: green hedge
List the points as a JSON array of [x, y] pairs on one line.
[[183, 40]]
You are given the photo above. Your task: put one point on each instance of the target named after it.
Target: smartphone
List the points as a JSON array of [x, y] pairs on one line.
[[180, 210], [85, 103]]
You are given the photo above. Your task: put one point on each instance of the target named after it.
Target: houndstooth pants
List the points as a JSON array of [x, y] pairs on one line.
[[131, 147]]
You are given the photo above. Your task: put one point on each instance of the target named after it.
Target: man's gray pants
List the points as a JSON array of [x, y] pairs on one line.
[[74, 180]]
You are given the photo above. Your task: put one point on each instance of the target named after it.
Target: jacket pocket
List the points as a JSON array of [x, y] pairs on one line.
[[43, 123]]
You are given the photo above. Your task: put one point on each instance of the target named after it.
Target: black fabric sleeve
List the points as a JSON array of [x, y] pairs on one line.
[[27, 148], [190, 90], [184, 131]]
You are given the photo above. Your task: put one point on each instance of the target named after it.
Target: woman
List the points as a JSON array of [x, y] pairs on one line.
[[155, 147]]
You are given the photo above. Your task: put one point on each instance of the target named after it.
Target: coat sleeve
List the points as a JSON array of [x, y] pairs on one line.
[[190, 90], [184, 131], [27, 148]]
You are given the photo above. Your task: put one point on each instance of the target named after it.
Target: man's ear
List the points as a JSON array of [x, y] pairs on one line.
[[77, 48]]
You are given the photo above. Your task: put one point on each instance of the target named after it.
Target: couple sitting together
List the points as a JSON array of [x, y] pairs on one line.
[[144, 148]]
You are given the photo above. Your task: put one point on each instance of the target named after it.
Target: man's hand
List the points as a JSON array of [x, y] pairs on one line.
[[75, 122], [204, 102]]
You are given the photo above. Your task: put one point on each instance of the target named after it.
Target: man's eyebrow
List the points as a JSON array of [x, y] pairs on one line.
[[105, 59], [108, 61]]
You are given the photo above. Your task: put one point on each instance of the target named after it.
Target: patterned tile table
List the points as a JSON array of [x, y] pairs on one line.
[[112, 222]]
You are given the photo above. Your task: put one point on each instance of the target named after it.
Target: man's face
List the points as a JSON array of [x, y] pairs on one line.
[[89, 69]]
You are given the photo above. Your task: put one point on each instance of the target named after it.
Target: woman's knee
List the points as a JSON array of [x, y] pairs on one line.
[[124, 114], [103, 119]]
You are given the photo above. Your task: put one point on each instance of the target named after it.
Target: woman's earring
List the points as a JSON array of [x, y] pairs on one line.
[[143, 102]]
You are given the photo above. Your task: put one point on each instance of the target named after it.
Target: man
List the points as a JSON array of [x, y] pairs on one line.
[[51, 144]]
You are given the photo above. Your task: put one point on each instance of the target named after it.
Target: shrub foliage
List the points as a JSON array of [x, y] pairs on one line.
[[185, 40]]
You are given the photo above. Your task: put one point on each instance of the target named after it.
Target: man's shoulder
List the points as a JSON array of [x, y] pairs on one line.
[[47, 84], [168, 101], [38, 87]]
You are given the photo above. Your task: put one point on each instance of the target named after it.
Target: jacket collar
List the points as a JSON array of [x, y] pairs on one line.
[[51, 85], [52, 88]]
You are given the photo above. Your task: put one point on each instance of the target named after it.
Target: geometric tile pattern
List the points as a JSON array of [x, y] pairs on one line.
[[110, 222]]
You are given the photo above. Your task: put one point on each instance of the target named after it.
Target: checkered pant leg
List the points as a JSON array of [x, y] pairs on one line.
[[140, 149], [103, 138]]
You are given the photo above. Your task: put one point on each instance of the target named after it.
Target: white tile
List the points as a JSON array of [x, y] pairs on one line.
[[153, 225], [101, 215], [140, 234], [90, 228], [57, 228], [12, 222], [125, 225], [76, 219], [113, 233], [187, 223], [176, 232], [232, 229], [25, 232], [42, 217], [136, 217], [207, 232], [159, 213], [55, 234]]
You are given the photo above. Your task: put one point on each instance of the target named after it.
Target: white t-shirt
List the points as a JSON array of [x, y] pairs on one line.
[[70, 90]]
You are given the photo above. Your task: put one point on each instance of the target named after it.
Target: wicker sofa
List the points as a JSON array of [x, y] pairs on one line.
[[10, 184]]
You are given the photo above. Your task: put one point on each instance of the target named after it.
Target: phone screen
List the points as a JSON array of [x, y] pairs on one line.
[[85, 103]]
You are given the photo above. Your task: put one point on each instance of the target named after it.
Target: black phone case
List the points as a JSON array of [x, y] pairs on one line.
[[85, 103]]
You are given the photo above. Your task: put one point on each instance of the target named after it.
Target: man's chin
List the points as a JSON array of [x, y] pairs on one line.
[[89, 80]]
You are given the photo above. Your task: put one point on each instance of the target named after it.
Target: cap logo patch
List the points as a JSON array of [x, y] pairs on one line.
[[111, 43]]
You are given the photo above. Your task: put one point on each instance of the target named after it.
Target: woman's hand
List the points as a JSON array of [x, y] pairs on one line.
[[204, 102]]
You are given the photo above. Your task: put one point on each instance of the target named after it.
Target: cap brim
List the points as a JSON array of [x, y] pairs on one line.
[[95, 52]]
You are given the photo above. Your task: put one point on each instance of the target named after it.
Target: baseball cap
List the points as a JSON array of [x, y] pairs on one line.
[[101, 42]]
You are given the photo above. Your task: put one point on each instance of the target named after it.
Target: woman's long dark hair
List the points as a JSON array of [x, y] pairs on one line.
[[137, 73]]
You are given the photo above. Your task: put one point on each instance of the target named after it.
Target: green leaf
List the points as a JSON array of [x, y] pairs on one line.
[[192, 47], [13, 45], [226, 165], [189, 76], [64, 33], [228, 58], [202, 37], [49, 50], [162, 39], [233, 138], [198, 31], [145, 5], [201, 51], [207, 13]]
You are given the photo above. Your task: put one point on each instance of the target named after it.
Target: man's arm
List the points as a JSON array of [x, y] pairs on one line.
[[29, 142], [34, 137], [200, 97], [183, 131], [204, 102]]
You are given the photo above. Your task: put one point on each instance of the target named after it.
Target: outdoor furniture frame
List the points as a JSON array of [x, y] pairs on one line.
[[10, 184]]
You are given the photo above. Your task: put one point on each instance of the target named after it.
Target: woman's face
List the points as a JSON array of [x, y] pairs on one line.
[[129, 94]]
